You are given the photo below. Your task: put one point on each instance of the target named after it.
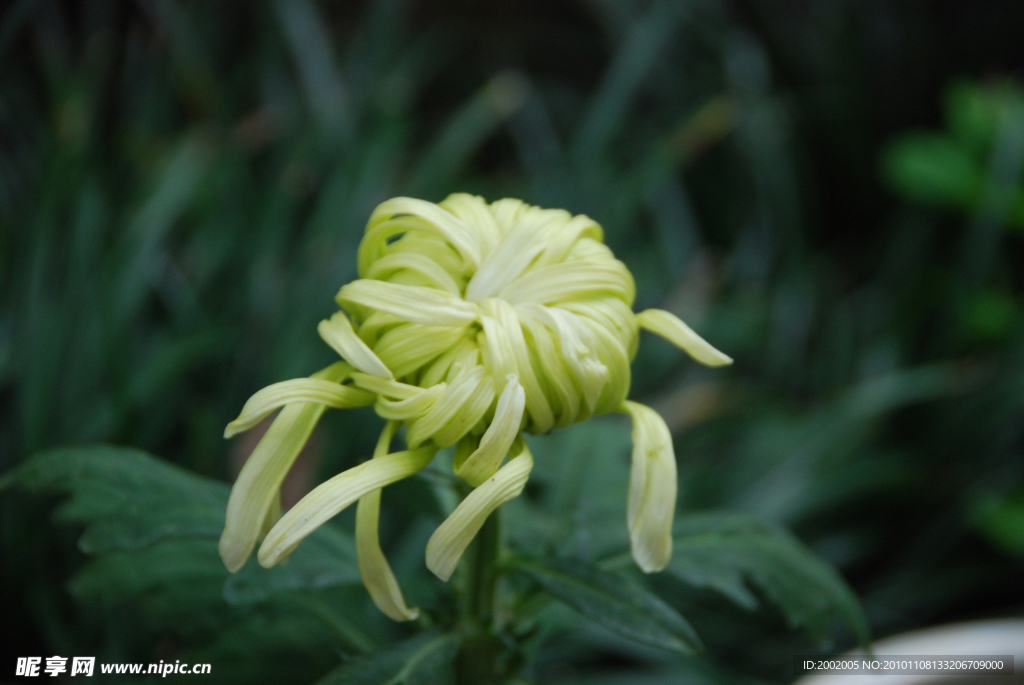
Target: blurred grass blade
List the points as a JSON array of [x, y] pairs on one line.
[[311, 47], [475, 121], [139, 249], [639, 52]]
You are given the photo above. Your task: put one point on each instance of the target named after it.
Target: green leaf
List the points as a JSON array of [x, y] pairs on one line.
[[126, 498], [616, 603], [129, 501], [326, 558], [424, 660], [730, 553]]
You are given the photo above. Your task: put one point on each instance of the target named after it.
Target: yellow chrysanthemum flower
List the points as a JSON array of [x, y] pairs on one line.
[[471, 323]]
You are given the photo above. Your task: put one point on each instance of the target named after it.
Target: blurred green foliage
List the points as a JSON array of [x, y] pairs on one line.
[[182, 190]]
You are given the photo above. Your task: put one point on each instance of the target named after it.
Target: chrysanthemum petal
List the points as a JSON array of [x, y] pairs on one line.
[[338, 333], [415, 304], [310, 390], [330, 497], [451, 538], [498, 438], [519, 247], [376, 573], [256, 490], [652, 488], [578, 349], [403, 213], [382, 386], [429, 273], [403, 410], [457, 393], [571, 280], [504, 346], [472, 412], [556, 379], [407, 347], [672, 328], [473, 211]]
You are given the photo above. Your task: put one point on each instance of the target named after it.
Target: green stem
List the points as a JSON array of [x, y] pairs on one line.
[[482, 575], [480, 657]]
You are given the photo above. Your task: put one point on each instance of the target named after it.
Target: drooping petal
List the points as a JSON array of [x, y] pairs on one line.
[[672, 328], [652, 488], [330, 497], [310, 390], [451, 538], [416, 304], [256, 490], [337, 332], [499, 436], [376, 573]]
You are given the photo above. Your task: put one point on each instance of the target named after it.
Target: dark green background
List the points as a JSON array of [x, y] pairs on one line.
[[825, 190]]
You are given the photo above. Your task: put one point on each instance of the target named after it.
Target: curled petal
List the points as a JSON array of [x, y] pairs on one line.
[[518, 248], [577, 280], [401, 214], [416, 304], [337, 332], [308, 390], [578, 347], [454, 404], [427, 272], [474, 211], [451, 538], [652, 488], [498, 438], [388, 388], [408, 346], [401, 410], [504, 349], [672, 328], [330, 497], [377, 575], [256, 490]]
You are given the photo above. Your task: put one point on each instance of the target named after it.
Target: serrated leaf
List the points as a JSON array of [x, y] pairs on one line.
[[730, 553], [424, 660], [130, 501], [613, 601], [126, 498]]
